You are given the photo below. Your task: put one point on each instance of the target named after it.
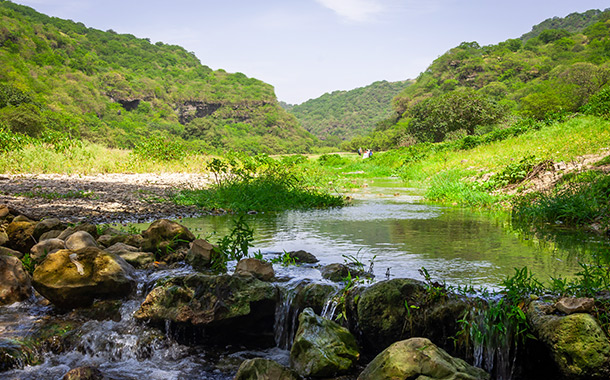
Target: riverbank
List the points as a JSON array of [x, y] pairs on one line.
[[100, 198]]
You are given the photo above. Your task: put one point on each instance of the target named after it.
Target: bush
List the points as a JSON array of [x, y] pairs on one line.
[[160, 149]]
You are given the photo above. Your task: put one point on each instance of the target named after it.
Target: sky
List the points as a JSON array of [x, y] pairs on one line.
[[306, 48]]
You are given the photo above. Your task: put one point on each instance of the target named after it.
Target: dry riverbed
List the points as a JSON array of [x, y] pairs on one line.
[[100, 198]]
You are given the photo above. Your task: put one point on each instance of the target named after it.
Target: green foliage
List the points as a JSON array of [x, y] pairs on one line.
[[11, 142], [157, 148], [235, 245], [257, 183], [599, 104], [450, 186], [28, 263], [332, 160], [285, 260]]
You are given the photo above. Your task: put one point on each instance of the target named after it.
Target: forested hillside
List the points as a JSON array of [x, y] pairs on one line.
[[58, 76], [341, 115], [473, 89]]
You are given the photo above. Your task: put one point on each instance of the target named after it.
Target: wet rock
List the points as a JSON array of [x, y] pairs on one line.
[[164, 235], [44, 247], [14, 354], [47, 225], [315, 296], [75, 278], [84, 373], [15, 285], [264, 369], [255, 267], [322, 348], [339, 272], [80, 240], [571, 305], [138, 259], [419, 358], [383, 319], [577, 343], [53, 234], [303, 257], [20, 233], [200, 254], [222, 306]]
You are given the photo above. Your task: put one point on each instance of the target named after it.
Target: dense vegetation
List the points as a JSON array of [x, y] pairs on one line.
[[118, 90], [342, 115], [542, 75]]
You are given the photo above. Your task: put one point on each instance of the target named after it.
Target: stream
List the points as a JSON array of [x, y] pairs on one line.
[[387, 225]]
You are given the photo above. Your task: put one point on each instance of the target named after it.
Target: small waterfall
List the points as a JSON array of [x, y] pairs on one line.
[[330, 306], [286, 316]]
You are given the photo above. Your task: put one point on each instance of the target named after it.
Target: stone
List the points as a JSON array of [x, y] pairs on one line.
[[71, 279], [254, 267], [20, 233], [120, 248], [3, 237], [571, 305], [50, 235], [79, 240], [84, 373], [109, 240], [14, 354], [87, 227], [164, 235], [322, 348], [15, 285], [303, 257], [576, 342], [44, 247], [264, 369], [11, 252], [138, 259], [339, 272], [383, 319], [4, 211], [200, 254], [242, 306], [419, 359], [47, 225]]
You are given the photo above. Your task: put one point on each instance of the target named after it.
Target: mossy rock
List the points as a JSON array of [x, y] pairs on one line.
[[164, 235], [264, 369]]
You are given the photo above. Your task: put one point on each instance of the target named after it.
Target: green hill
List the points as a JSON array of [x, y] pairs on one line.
[[473, 89], [341, 115], [116, 89]]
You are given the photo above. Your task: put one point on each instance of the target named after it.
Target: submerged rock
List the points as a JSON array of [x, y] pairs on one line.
[[577, 343], [303, 257], [15, 285], [322, 348], [75, 278], [223, 306], [14, 354], [419, 359], [84, 373], [164, 235], [264, 369], [255, 267]]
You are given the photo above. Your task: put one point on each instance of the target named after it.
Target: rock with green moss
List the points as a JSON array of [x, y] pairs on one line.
[[222, 305], [164, 235], [322, 348], [394, 310], [577, 343], [419, 359], [14, 354], [264, 369], [15, 284], [84, 373], [75, 278], [20, 233]]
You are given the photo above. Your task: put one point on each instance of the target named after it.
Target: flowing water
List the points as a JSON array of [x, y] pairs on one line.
[[387, 227]]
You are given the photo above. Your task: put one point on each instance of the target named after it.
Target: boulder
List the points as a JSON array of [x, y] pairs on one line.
[[108, 240], [164, 235], [53, 234], [46, 225], [44, 247], [138, 259], [264, 369], [576, 342], [242, 306], [322, 348], [4, 211], [120, 248], [84, 373], [383, 319], [419, 359], [87, 227], [3, 237], [20, 234], [11, 252], [15, 285], [71, 279], [571, 305], [254, 267], [200, 254], [303, 257], [339, 272], [79, 240]]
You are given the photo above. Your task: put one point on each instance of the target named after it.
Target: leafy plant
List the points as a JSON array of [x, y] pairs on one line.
[[285, 260]]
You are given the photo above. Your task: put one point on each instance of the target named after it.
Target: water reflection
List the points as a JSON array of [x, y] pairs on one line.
[[390, 224]]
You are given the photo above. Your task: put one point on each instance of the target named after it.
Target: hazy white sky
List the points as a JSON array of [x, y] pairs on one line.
[[305, 48]]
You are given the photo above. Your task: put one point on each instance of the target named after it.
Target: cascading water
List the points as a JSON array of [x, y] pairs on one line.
[[286, 316]]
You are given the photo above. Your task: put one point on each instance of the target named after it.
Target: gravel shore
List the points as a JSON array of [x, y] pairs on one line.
[[101, 198]]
